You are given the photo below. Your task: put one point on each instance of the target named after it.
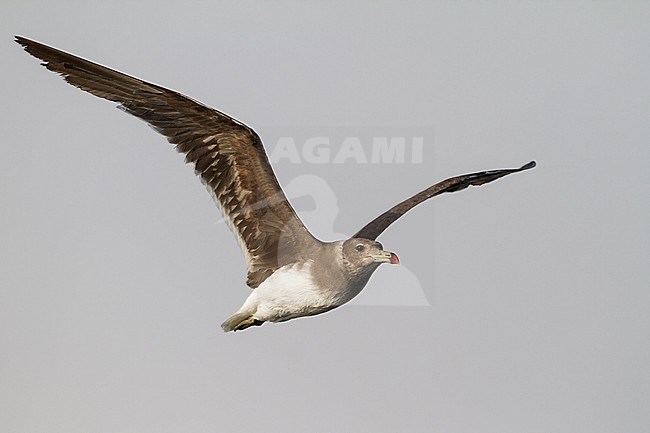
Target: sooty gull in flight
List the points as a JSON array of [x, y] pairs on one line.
[[293, 274]]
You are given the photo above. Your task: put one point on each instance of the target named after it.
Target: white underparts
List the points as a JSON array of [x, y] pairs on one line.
[[288, 293]]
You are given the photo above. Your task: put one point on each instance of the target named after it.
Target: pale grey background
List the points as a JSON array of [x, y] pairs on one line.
[[115, 277]]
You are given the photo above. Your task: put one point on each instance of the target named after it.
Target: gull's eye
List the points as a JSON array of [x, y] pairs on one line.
[[360, 247]]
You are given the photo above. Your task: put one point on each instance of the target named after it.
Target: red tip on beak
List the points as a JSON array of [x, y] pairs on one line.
[[394, 260]]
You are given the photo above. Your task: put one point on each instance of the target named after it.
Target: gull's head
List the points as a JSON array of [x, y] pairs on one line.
[[361, 254]]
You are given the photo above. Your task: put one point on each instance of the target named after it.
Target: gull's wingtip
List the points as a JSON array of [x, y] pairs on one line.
[[528, 166], [27, 43], [24, 42]]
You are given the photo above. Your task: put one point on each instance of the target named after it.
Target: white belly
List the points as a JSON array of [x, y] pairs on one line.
[[290, 292]]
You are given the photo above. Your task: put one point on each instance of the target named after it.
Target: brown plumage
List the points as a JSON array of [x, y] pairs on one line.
[[375, 227], [227, 155]]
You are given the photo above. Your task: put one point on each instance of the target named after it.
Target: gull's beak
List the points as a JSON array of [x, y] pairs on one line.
[[385, 257]]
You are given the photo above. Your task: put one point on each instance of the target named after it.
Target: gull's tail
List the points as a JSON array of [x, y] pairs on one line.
[[240, 321]]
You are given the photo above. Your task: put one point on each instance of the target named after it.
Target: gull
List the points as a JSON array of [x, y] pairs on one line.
[[293, 273]]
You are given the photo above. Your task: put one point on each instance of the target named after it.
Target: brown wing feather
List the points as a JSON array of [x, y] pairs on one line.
[[381, 223], [227, 155]]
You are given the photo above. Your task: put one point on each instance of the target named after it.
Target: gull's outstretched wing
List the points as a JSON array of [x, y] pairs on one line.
[[381, 223], [227, 155]]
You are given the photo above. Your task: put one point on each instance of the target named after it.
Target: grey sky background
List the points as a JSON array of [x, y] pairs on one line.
[[115, 275]]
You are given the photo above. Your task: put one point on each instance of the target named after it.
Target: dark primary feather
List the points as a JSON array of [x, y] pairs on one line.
[[227, 155], [381, 223]]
